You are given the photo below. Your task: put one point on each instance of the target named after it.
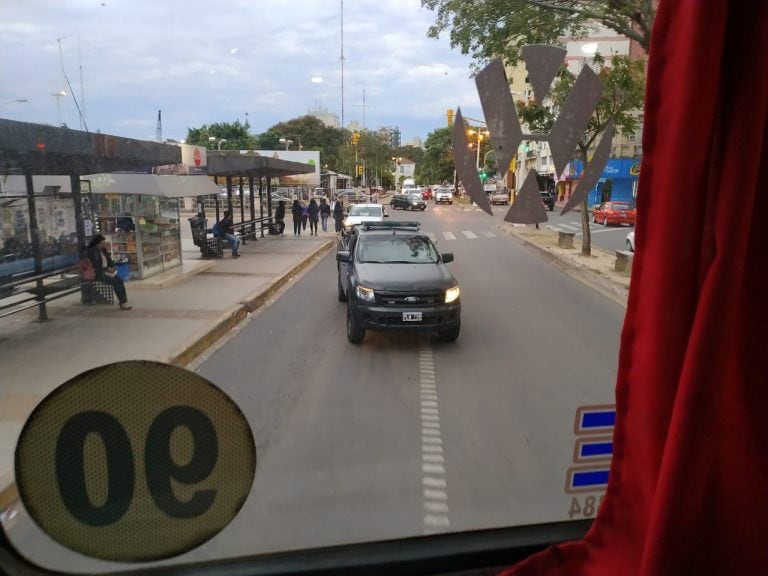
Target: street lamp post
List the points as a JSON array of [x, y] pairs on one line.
[[286, 142], [478, 135], [217, 141]]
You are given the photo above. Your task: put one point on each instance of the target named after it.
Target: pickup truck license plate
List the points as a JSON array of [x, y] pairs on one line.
[[411, 316]]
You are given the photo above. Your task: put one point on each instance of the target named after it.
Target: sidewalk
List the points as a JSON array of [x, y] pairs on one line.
[[175, 317]]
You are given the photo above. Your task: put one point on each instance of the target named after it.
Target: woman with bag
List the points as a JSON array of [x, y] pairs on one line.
[[105, 269]]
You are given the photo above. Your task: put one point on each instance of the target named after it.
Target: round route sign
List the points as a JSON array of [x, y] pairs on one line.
[[135, 461]]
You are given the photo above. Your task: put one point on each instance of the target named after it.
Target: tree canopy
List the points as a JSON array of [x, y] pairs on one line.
[[235, 133], [622, 97], [500, 28]]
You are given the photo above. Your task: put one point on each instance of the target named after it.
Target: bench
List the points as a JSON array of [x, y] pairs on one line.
[[36, 290], [250, 228], [623, 261], [565, 239], [210, 246]]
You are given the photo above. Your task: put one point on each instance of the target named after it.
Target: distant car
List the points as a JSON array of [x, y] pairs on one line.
[[392, 277], [359, 213], [614, 213], [631, 241], [426, 193], [499, 197], [410, 201], [548, 198], [351, 197], [444, 194]]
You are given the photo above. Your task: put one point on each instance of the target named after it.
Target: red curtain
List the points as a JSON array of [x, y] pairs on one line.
[[688, 488]]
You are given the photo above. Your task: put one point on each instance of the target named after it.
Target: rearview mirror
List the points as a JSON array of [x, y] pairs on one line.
[[386, 215], [447, 257], [343, 256]]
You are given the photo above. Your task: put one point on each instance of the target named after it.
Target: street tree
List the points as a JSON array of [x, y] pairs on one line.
[[621, 100], [489, 29], [308, 133], [437, 162], [236, 134]]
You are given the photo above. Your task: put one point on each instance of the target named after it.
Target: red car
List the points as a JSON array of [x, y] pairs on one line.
[[426, 193], [614, 213]]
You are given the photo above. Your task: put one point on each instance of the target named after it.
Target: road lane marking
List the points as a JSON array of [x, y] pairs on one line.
[[430, 494], [435, 495], [433, 458], [469, 234], [439, 507], [434, 482], [488, 234], [449, 236]]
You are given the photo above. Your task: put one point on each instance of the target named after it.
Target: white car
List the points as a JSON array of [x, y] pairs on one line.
[[359, 213], [631, 241], [443, 194]]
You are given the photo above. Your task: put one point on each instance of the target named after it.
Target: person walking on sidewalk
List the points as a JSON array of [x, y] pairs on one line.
[[105, 269], [296, 211], [338, 214], [280, 216], [313, 210], [223, 229], [304, 216], [325, 212]]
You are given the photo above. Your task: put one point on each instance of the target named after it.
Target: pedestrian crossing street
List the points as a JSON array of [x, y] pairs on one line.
[[461, 235]]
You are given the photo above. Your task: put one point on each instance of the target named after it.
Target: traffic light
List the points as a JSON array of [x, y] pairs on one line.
[[359, 169], [449, 117], [355, 137]]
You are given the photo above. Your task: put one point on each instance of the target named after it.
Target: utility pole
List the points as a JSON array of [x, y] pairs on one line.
[[159, 129], [341, 58]]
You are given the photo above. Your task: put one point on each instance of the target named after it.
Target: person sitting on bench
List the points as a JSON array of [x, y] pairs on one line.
[[105, 269], [223, 229]]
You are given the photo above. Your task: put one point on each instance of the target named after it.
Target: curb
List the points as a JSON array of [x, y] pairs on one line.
[[238, 313], [611, 290]]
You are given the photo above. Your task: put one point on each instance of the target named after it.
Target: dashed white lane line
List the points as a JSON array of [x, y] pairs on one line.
[[435, 487], [449, 236], [469, 234], [488, 234]]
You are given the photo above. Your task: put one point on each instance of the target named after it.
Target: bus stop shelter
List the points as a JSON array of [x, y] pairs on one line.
[[253, 166], [28, 149]]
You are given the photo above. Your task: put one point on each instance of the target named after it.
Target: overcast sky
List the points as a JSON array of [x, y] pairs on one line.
[[203, 62]]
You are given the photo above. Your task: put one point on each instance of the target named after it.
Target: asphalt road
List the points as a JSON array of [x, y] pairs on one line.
[[341, 428], [404, 435]]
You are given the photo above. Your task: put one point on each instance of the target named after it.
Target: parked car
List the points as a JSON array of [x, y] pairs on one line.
[[392, 277], [500, 196], [616, 212], [409, 201], [444, 194], [359, 213], [631, 241], [548, 198]]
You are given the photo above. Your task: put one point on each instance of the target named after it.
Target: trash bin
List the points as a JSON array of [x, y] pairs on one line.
[[124, 271]]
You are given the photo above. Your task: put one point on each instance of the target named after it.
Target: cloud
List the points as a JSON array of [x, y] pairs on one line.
[[264, 56]]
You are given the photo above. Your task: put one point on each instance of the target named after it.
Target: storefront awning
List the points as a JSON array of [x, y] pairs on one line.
[[150, 185]]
